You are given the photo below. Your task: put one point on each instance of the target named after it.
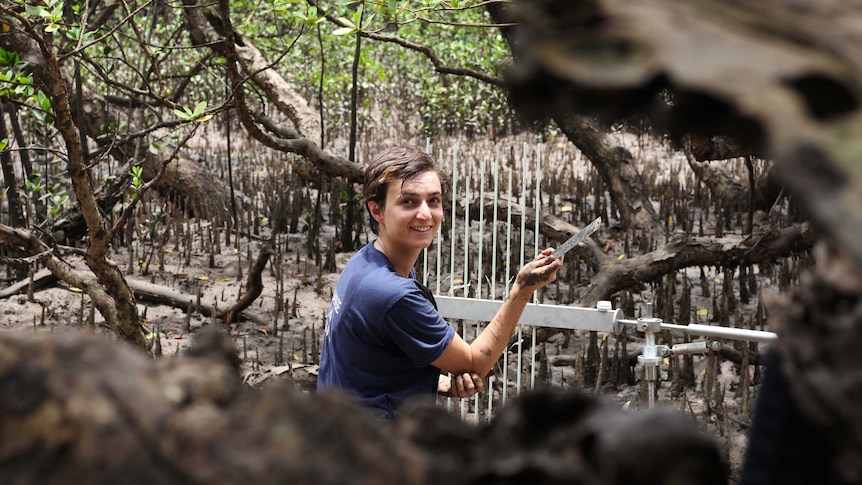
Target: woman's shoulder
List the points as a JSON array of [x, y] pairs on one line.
[[373, 275], [369, 260], [384, 281]]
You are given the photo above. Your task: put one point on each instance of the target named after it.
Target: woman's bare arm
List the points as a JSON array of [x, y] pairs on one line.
[[479, 356]]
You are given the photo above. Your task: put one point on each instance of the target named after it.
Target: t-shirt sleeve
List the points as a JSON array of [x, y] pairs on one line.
[[416, 327]]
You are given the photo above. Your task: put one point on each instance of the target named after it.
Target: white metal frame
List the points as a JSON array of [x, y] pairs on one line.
[[479, 310]]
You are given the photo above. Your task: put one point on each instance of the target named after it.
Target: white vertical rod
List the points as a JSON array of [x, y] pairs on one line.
[[425, 271], [537, 228], [493, 292], [466, 233], [523, 235], [439, 270], [480, 264], [466, 278], [508, 273], [494, 230], [425, 266], [452, 236], [480, 253]]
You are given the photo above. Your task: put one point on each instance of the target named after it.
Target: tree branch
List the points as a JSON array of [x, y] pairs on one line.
[[729, 251], [204, 32], [253, 286]]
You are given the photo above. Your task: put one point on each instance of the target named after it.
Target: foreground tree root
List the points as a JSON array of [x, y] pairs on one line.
[[110, 415]]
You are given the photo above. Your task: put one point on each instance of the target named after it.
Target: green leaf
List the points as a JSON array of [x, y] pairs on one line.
[[369, 19], [4, 143], [44, 101], [199, 109], [344, 31], [347, 22]]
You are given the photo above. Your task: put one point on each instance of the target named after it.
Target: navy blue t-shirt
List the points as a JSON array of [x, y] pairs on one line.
[[382, 334]]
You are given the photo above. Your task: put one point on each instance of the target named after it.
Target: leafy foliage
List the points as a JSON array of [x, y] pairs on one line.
[[17, 83], [197, 114], [392, 77], [138, 59], [53, 195]]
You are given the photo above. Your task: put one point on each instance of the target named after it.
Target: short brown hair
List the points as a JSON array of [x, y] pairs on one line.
[[396, 164]]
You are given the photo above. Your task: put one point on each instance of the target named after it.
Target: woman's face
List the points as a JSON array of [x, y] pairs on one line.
[[412, 213]]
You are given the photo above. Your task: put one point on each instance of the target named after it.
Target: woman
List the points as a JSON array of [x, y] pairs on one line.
[[384, 341]]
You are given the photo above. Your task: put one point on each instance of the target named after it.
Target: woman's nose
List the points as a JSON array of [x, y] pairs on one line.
[[424, 211]]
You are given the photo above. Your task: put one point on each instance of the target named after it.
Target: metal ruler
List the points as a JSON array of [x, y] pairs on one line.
[[577, 238]]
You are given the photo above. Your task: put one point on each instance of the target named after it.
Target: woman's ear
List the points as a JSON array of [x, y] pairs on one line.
[[375, 210]]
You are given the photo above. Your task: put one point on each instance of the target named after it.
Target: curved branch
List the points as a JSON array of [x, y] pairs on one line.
[[205, 25], [253, 287], [286, 139], [210, 28], [616, 165], [731, 251], [123, 317]]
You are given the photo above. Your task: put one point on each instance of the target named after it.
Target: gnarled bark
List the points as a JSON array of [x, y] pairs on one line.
[[616, 166]]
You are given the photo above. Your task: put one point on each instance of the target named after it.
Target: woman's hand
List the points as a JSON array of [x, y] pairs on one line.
[[461, 385], [537, 273]]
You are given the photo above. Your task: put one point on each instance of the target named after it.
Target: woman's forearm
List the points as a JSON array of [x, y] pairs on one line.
[[490, 344], [479, 357]]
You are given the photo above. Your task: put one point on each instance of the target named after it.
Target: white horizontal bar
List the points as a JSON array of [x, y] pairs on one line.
[[537, 315], [724, 332], [715, 331], [581, 318]]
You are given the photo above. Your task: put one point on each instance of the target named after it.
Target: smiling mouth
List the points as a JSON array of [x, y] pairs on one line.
[[421, 229]]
